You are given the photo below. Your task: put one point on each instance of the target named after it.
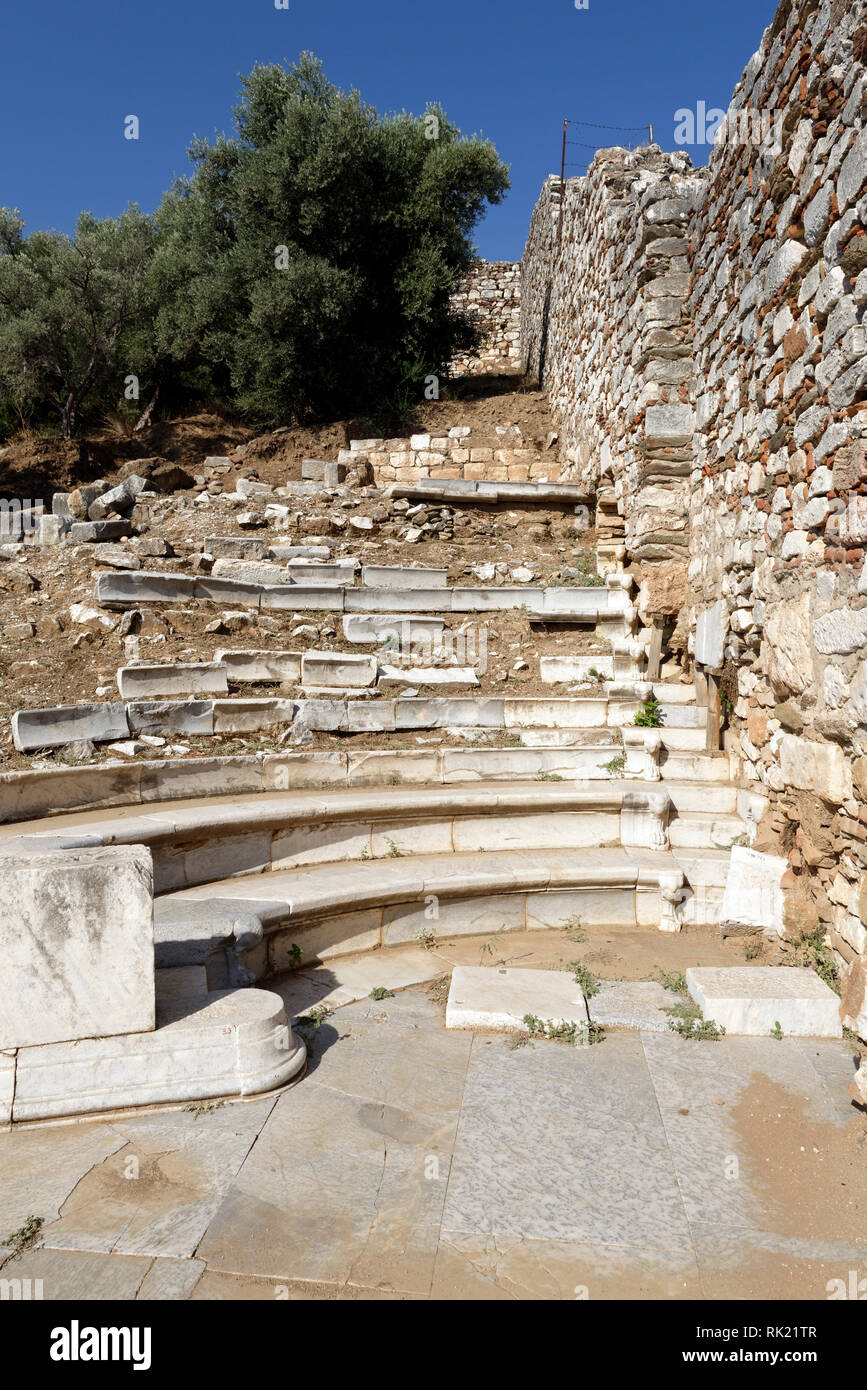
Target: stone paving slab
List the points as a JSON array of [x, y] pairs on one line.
[[416, 1162], [576, 1103], [325, 1171], [470, 1266], [74, 1275], [638, 1005], [699, 1086], [171, 1281], [762, 1265], [158, 1193], [39, 1168]]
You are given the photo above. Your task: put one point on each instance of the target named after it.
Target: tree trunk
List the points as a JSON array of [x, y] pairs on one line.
[[67, 416], [145, 418]]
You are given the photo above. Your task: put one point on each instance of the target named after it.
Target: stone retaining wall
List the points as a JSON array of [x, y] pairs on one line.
[[604, 329], [778, 510], [491, 295], [498, 453], [700, 334]]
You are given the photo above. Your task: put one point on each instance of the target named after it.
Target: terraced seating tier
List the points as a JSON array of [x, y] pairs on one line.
[[52, 792], [684, 726], [272, 922]]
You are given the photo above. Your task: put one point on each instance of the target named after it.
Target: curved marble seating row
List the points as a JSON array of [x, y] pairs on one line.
[[55, 791], [276, 921]]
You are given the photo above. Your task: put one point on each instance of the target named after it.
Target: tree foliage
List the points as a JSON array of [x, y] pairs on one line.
[[303, 270]]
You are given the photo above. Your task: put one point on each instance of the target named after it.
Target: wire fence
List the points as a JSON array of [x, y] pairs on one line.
[[645, 130]]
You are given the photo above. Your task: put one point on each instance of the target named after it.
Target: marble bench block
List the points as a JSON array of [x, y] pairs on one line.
[[498, 998], [254, 667], [51, 728], [226, 1043], [181, 678], [753, 999], [403, 577], [77, 942]]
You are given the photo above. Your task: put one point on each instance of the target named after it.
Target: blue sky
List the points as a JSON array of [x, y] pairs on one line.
[[71, 72]]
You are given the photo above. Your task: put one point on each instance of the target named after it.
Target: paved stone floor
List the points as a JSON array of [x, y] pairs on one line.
[[412, 1162]]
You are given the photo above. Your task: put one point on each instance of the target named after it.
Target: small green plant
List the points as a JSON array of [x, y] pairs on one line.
[[312, 1022], [548, 777], [617, 764], [777, 1031], [487, 948], [752, 949], [365, 854], [740, 840], [25, 1236], [576, 1034], [674, 980], [687, 1022], [380, 992], [426, 938], [584, 978], [393, 852], [589, 576], [595, 675], [811, 950], [650, 714], [573, 928], [439, 990], [203, 1107], [513, 741], [293, 956]]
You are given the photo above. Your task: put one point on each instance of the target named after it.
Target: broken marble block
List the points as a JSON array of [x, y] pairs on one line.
[[77, 943], [753, 899]]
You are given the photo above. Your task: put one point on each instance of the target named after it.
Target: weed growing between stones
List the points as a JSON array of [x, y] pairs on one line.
[[674, 980], [312, 1022], [439, 990], [573, 929], [380, 992], [487, 948], [203, 1107], [426, 938], [25, 1236], [576, 1034], [810, 949], [617, 763], [687, 1022], [777, 1031], [650, 715], [584, 978], [548, 777]]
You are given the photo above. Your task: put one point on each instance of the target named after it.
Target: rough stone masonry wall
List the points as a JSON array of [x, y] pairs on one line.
[[604, 328], [491, 295], [491, 453], [779, 486], [700, 334]]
